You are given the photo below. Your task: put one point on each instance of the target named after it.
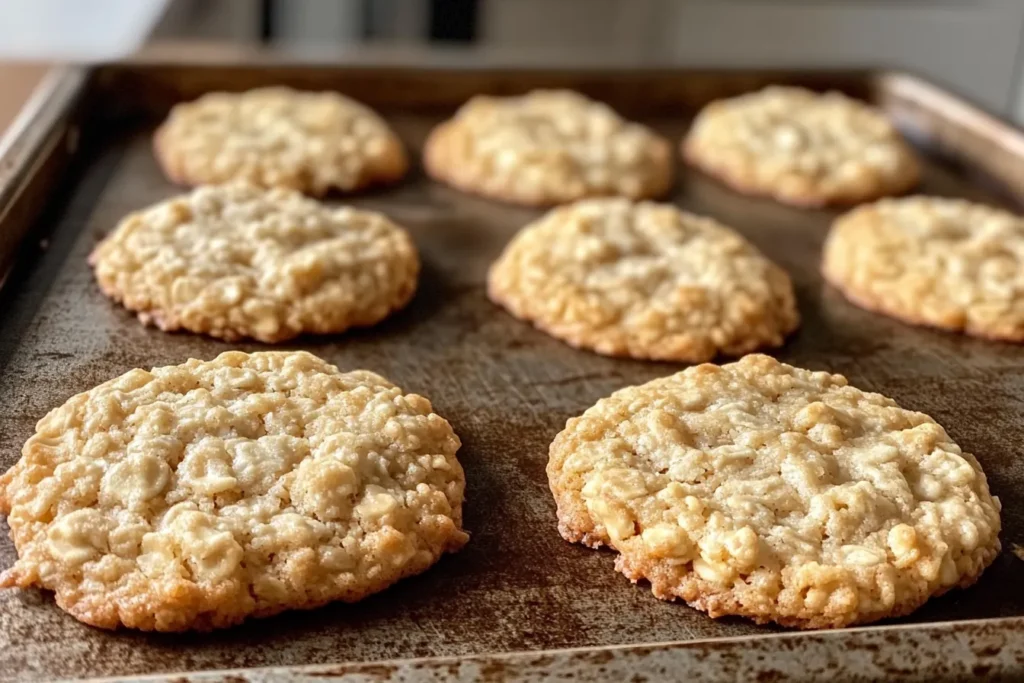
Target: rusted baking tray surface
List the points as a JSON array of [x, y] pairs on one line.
[[84, 160]]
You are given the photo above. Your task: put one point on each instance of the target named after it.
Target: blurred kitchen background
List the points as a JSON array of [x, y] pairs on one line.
[[972, 46]]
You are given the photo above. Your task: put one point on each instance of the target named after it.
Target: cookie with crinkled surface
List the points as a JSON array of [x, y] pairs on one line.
[[236, 261], [196, 496], [801, 147], [547, 147], [644, 280], [945, 263], [775, 493], [312, 142]]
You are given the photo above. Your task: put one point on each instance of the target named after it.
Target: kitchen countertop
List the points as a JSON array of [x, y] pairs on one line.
[[17, 81]]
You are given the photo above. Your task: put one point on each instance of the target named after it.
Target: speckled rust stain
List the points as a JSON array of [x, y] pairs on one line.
[[507, 389]]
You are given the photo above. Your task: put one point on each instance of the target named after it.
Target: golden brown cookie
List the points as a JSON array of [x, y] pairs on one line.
[[644, 280], [235, 261], [312, 142], [801, 147], [196, 496], [779, 494], [946, 263], [547, 147]]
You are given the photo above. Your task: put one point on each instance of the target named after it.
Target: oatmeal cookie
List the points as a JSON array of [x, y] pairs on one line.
[[312, 142], [779, 494], [643, 280], [235, 261], [547, 147], [946, 263], [198, 495], [801, 147]]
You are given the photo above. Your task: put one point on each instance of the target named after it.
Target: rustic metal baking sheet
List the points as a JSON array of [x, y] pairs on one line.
[[951, 651], [505, 387]]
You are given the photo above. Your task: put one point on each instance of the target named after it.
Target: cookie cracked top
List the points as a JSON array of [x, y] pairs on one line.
[[547, 147], [643, 280], [801, 147], [934, 261], [312, 142], [776, 493], [236, 261], [197, 495]]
